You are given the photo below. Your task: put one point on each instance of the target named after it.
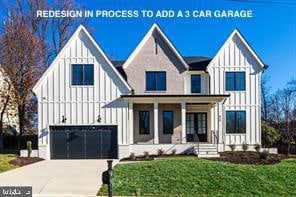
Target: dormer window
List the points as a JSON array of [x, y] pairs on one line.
[[82, 74], [195, 84], [155, 81]]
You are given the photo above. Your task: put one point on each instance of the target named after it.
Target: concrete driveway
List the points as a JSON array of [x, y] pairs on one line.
[[58, 177]]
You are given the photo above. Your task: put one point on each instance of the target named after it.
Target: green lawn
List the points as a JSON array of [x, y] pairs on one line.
[[4, 159], [192, 176]]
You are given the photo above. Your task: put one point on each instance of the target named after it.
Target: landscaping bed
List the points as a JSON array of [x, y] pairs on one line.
[[248, 157], [22, 161]]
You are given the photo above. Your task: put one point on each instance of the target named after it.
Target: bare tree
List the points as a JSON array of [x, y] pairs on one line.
[[21, 59], [265, 99], [63, 27], [287, 105]]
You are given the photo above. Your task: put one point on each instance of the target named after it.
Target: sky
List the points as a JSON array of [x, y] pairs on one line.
[[271, 32]]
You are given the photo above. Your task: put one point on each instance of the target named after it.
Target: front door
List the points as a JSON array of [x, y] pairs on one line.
[[196, 127]]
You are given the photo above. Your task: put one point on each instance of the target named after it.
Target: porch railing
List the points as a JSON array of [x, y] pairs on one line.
[[215, 136]]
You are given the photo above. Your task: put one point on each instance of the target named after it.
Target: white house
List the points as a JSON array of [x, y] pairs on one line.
[[90, 107], [10, 116]]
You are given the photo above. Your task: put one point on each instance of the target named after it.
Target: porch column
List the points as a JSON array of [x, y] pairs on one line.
[[156, 137], [131, 122], [183, 123]]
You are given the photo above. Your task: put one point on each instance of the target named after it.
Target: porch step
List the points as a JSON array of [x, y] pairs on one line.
[[208, 155], [205, 150]]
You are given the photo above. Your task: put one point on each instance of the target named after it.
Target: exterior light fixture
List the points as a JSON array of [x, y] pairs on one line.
[[99, 119], [64, 119]]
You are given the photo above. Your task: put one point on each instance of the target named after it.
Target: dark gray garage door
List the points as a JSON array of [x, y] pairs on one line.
[[83, 142]]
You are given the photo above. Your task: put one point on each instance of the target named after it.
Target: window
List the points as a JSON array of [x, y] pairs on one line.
[[235, 81], [144, 120], [155, 81], [82, 74], [195, 84], [235, 122], [168, 127]]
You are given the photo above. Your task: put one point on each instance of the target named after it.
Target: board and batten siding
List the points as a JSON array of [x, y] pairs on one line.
[[81, 105], [234, 56]]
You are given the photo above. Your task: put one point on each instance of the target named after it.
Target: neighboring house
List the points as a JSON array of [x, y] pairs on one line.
[[10, 118], [90, 107]]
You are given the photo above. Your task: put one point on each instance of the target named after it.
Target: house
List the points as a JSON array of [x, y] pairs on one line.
[[10, 113], [90, 107]]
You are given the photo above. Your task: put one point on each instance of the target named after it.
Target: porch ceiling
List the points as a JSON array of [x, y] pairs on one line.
[[193, 99]]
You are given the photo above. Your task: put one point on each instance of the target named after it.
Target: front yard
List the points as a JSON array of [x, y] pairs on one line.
[[4, 162], [191, 176]]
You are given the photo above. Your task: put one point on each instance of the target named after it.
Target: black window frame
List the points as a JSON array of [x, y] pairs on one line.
[[146, 130], [235, 123], [171, 131], [235, 82], [192, 76], [84, 82], [156, 86]]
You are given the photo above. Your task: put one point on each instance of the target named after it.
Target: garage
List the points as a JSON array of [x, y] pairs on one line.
[[83, 142]]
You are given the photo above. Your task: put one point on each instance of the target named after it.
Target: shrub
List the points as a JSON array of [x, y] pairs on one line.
[[257, 147], [132, 156], [174, 152], [264, 154], [232, 147], [160, 152], [245, 146], [29, 148], [269, 135], [146, 154]]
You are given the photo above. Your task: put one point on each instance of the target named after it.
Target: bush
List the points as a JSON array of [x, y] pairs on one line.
[[29, 148], [132, 156], [269, 135], [174, 152], [264, 154], [160, 152], [257, 147], [245, 146], [146, 154], [232, 147]]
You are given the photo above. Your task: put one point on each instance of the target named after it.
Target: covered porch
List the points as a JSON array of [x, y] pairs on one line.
[[172, 119]]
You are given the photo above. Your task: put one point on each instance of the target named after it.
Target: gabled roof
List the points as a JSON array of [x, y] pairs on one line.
[[154, 28], [81, 28], [246, 44]]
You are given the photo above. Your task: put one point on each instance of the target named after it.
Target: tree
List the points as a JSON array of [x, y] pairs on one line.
[[269, 135], [265, 99], [63, 27], [21, 59]]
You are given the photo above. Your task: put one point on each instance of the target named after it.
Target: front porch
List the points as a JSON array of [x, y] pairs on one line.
[[191, 117]]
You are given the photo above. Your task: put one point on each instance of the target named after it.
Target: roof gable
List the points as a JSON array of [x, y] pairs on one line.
[[81, 28], [244, 42], [155, 28]]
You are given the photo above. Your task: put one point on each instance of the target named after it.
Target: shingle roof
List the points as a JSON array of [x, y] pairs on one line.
[[194, 62]]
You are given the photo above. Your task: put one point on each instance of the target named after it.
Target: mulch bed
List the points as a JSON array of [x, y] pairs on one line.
[[248, 157], [22, 161]]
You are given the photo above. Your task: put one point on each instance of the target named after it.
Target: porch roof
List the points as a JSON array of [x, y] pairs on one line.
[[176, 98]]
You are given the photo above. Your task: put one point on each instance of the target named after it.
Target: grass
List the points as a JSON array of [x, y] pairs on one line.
[[192, 176], [4, 162]]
